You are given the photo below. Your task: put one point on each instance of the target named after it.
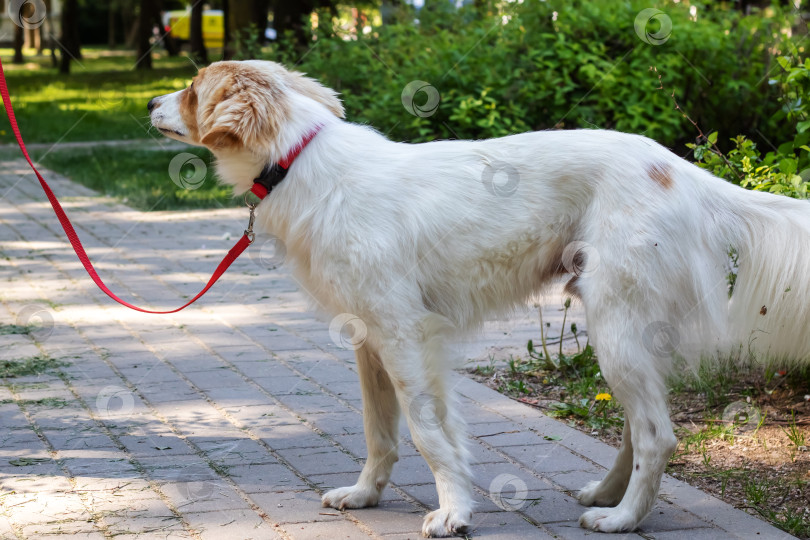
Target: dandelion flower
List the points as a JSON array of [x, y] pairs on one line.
[[603, 397]]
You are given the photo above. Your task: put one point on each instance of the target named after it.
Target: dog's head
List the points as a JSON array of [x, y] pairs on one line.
[[235, 106]]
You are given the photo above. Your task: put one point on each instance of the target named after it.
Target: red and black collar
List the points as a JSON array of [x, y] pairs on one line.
[[274, 173]]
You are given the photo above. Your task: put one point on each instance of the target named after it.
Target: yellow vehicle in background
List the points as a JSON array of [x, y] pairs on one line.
[[177, 24]]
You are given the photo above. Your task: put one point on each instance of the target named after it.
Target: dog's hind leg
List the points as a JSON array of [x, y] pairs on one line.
[[611, 489], [380, 422], [636, 381]]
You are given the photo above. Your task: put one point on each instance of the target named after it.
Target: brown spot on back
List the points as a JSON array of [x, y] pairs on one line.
[[763, 311], [660, 173]]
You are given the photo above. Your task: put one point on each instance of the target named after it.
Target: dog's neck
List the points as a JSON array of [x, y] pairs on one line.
[[274, 173]]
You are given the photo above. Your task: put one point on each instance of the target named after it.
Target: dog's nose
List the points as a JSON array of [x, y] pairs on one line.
[[151, 104]]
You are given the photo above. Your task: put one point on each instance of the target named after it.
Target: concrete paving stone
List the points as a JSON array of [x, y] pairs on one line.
[[170, 467], [265, 478], [11, 417], [192, 363], [144, 526], [282, 386], [295, 507], [150, 373], [203, 496], [348, 390], [506, 526], [480, 454], [320, 460], [69, 439], [162, 393], [284, 437], [337, 530], [243, 524], [335, 373], [512, 437], [263, 369], [263, 416], [391, 517], [240, 396], [64, 529], [34, 482], [548, 458], [668, 517], [308, 402], [104, 467], [325, 482], [552, 506], [355, 444], [494, 475], [155, 444], [216, 378], [410, 470], [574, 480], [43, 507], [229, 452], [60, 417], [343, 423], [572, 531], [243, 353]]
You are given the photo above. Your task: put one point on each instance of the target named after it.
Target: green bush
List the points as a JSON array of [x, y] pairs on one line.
[[785, 169], [539, 65]]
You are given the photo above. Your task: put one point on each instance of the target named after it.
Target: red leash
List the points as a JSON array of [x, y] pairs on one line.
[[235, 251]]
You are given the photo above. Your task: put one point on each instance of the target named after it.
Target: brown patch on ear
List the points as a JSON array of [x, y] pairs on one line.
[[317, 92], [220, 138], [188, 112], [572, 288], [660, 175]]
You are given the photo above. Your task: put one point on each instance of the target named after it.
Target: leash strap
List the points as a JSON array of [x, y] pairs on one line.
[[234, 252]]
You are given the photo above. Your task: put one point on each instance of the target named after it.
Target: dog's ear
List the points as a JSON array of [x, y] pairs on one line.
[[316, 91], [249, 118]]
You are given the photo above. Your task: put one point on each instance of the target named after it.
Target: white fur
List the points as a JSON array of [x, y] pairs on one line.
[[412, 239]]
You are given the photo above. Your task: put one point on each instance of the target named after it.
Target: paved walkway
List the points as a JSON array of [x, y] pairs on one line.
[[228, 420]]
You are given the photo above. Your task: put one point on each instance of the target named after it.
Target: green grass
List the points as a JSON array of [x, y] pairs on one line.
[[103, 98], [23, 367], [139, 178]]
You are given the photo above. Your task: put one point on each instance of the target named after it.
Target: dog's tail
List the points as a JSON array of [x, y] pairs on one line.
[[769, 308]]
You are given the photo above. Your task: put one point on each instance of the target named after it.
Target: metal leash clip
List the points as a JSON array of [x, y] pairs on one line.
[[252, 207]]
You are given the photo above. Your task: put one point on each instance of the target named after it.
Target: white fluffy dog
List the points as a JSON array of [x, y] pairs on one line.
[[422, 240]]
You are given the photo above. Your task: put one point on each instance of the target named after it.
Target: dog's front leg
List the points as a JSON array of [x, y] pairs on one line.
[[380, 423], [438, 432]]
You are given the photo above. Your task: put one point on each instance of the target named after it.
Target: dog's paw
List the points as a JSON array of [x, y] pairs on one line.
[[351, 497], [595, 494], [441, 523], [608, 520]]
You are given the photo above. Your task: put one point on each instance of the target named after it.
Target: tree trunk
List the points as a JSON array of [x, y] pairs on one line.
[[165, 37], [227, 46], [69, 47], [195, 39], [144, 53], [260, 10], [241, 17], [19, 40], [111, 9], [290, 16]]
